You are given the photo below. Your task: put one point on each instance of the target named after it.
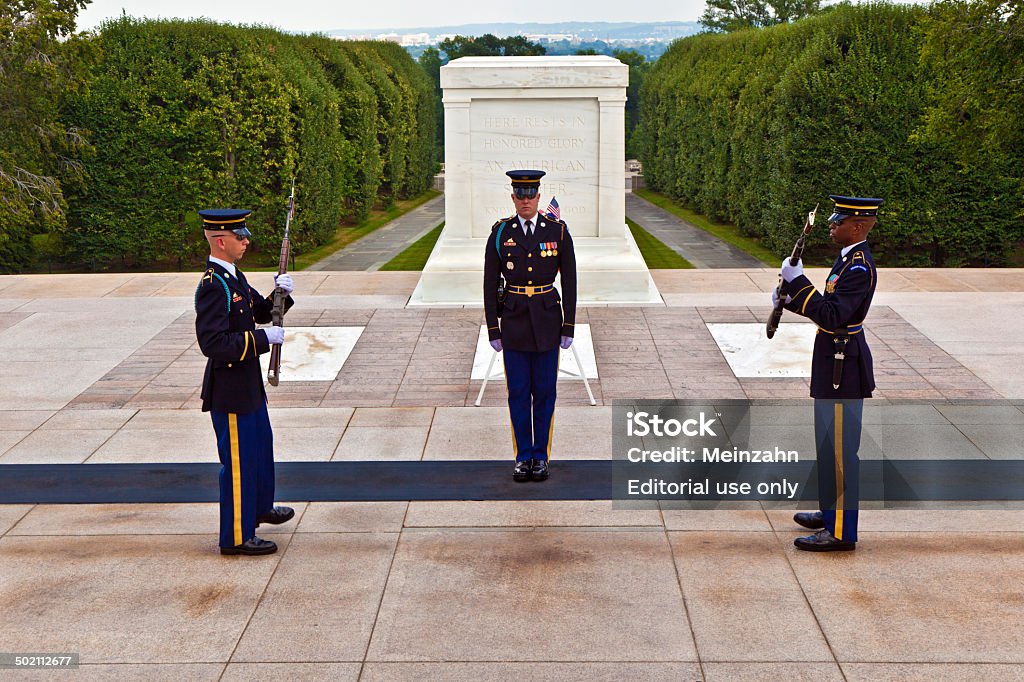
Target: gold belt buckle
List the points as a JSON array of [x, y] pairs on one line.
[[529, 291]]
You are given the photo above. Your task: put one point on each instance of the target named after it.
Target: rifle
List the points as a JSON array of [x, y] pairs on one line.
[[798, 251], [277, 312]]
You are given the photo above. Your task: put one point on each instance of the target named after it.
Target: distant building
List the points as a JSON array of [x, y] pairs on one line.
[[415, 39], [551, 37]]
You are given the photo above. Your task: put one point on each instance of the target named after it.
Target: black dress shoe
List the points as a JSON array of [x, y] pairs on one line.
[[251, 547], [276, 515], [522, 470], [810, 520], [539, 470], [823, 541]]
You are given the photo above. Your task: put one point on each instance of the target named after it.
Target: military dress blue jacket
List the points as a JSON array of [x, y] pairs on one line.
[[227, 311], [531, 323], [841, 309]]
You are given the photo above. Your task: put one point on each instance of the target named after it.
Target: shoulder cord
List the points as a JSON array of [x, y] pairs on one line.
[[497, 237], [227, 292]]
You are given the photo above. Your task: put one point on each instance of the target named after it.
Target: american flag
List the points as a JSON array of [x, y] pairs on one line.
[[552, 210]]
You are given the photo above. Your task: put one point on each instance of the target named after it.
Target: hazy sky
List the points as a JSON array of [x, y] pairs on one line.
[[324, 15]]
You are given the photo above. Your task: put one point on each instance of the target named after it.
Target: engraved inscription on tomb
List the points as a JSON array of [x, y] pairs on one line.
[[559, 137]]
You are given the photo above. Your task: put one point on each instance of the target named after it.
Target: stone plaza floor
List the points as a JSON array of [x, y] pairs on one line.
[[104, 369]]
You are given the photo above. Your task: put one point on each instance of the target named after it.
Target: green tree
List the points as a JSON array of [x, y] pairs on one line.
[[39, 62], [974, 52], [972, 59], [518, 46], [431, 62], [488, 45], [638, 68], [726, 16], [914, 105]]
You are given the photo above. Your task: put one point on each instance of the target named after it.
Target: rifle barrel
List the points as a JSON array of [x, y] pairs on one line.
[[798, 250], [278, 310]]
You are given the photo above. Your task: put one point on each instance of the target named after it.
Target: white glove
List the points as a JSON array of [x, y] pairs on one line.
[[791, 272], [775, 298], [275, 335], [285, 283], [496, 345], [566, 342]]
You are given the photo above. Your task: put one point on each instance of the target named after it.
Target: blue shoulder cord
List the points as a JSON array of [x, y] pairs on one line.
[[497, 238], [227, 292]]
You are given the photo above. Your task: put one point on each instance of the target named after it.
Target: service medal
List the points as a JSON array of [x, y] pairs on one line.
[[830, 285], [554, 252]]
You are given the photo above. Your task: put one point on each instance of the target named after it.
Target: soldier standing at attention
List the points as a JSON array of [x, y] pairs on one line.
[[227, 311], [841, 370], [528, 250]]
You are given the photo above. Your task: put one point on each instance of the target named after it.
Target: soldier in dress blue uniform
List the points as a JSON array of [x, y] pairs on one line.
[[227, 311], [527, 250], [841, 370]]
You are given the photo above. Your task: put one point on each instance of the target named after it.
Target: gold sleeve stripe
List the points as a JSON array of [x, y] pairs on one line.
[[797, 294], [807, 300]]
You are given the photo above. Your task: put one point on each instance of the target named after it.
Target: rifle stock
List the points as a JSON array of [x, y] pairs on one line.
[[798, 251], [280, 297]]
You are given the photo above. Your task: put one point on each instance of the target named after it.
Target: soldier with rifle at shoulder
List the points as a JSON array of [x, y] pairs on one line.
[[841, 369], [228, 309]]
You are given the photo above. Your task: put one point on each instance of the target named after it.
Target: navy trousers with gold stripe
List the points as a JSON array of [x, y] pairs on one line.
[[837, 426], [245, 443], [531, 379]]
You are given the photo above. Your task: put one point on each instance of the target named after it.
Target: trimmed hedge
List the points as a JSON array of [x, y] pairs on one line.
[[755, 127], [189, 114]]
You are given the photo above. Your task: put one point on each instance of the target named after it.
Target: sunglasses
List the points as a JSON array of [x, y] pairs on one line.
[[525, 192], [239, 237]]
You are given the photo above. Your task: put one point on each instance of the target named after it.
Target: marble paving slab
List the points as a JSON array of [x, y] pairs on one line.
[[750, 353], [314, 353]]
